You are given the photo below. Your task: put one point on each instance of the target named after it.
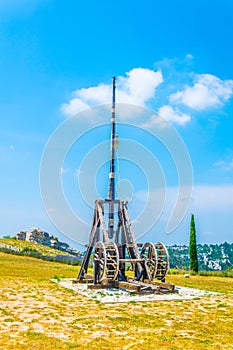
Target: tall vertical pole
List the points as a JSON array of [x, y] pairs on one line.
[[111, 191]]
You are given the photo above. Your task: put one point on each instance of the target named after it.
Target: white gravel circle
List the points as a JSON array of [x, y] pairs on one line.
[[112, 295]]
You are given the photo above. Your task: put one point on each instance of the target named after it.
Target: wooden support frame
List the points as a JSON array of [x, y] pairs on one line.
[[123, 237]]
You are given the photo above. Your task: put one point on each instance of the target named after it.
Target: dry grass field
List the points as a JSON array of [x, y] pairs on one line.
[[38, 314]]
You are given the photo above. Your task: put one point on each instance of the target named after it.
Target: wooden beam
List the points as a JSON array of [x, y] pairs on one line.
[[99, 286], [84, 280], [128, 286], [164, 285]]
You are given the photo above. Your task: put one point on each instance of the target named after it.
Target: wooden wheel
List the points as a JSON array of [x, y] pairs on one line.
[[162, 262], [106, 262], [149, 254], [99, 262], [112, 261]]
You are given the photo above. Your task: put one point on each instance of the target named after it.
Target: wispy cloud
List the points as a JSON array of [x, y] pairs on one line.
[[224, 165], [207, 91], [212, 198], [64, 170], [136, 88], [189, 56], [205, 199], [167, 114]]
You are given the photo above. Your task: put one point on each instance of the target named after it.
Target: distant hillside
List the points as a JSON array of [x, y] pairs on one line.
[[20, 245], [37, 250], [213, 257]]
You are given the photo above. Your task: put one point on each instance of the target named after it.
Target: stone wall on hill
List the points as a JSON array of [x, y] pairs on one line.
[[36, 235]]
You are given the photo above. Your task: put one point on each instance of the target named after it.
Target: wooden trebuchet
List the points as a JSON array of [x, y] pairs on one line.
[[112, 245]]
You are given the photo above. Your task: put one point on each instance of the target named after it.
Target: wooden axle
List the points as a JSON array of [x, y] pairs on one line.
[[131, 260]]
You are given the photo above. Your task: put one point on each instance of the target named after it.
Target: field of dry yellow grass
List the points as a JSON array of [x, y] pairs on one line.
[[38, 314]]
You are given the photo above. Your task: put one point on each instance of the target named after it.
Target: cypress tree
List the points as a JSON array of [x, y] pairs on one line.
[[193, 246]]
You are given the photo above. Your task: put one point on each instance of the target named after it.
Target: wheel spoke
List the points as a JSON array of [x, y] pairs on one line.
[[149, 254], [163, 261]]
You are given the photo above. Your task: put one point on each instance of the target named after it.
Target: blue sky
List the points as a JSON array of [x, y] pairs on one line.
[[174, 57]]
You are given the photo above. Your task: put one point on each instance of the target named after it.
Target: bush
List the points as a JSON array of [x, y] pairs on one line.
[[193, 273], [177, 271], [31, 252], [174, 271], [56, 278]]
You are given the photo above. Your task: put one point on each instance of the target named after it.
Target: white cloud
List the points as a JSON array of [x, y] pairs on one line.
[[95, 95], [204, 199], [207, 91], [136, 88], [139, 86], [224, 165], [167, 114], [212, 198], [206, 202], [189, 56], [64, 170], [74, 106], [173, 115]]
